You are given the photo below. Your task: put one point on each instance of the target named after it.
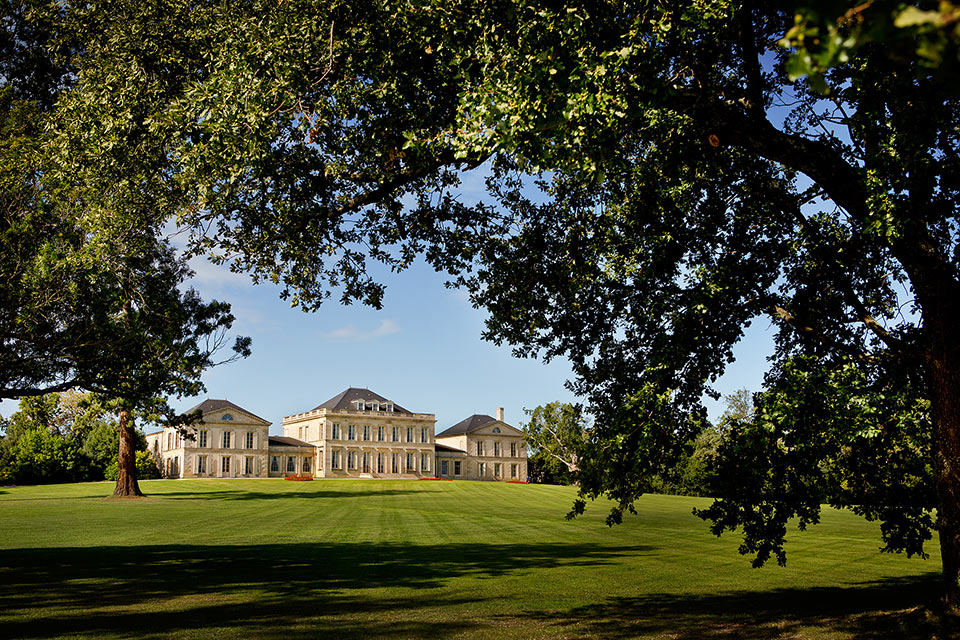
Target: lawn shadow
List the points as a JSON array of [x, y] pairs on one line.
[[274, 590], [242, 494], [895, 608]]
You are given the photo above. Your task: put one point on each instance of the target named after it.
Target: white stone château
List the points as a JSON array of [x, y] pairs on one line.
[[357, 433]]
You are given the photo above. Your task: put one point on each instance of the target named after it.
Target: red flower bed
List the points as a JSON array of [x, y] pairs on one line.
[[298, 478], [517, 482], [447, 479]]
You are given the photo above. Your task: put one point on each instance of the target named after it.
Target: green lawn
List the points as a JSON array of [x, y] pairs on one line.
[[402, 558]]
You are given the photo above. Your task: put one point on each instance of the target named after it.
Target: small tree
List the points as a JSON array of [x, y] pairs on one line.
[[556, 434]]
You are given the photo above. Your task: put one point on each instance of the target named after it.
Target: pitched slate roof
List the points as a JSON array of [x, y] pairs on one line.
[[471, 424], [210, 405], [346, 399], [285, 441], [442, 447]]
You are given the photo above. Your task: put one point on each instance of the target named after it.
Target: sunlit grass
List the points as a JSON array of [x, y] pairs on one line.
[[402, 558]]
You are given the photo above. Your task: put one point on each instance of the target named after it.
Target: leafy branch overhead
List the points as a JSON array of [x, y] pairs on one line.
[[661, 176]]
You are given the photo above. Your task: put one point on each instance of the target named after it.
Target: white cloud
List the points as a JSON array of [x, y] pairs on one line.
[[215, 277], [352, 333]]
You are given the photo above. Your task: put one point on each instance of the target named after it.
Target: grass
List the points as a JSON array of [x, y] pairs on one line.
[[370, 558]]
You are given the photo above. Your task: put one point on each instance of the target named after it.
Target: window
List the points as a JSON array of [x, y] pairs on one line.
[[424, 462], [423, 435], [351, 460], [496, 448], [409, 434], [225, 464], [483, 469], [291, 464], [496, 469], [249, 442], [395, 463], [300, 431], [380, 458], [396, 434], [479, 448], [359, 404], [351, 432], [226, 439], [203, 438], [366, 462], [379, 434], [334, 459], [513, 449], [496, 430], [513, 470], [443, 468], [201, 464], [275, 464], [226, 417], [388, 407], [335, 432], [366, 433], [456, 467], [248, 465], [410, 462], [169, 440], [375, 406]]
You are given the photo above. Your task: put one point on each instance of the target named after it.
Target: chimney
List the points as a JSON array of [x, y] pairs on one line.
[[500, 414]]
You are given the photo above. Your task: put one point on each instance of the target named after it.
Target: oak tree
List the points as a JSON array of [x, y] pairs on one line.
[[689, 182], [91, 297]]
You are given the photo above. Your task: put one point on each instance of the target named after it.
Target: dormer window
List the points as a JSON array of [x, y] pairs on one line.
[[360, 405], [388, 407], [226, 417], [375, 406], [496, 429]]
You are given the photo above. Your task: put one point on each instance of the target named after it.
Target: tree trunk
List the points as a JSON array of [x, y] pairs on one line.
[[939, 296], [944, 375], [127, 485]]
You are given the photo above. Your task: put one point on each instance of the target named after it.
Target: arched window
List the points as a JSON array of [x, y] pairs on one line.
[[226, 417]]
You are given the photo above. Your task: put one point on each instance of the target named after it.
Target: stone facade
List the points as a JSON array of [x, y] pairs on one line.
[[359, 433], [291, 457], [230, 442], [356, 434], [482, 448]]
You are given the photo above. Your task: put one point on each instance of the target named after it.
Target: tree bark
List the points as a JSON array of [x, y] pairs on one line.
[[944, 376], [127, 485]]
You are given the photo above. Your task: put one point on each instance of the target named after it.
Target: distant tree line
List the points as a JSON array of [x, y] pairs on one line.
[[65, 437], [557, 435]]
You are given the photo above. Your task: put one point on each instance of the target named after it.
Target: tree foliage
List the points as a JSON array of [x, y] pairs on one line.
[[61, 437], [555, 435], [689, 181], [93, 294]]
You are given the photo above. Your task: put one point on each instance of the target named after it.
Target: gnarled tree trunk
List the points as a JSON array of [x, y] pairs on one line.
[[127, 485], [939, 296], [944, 373]]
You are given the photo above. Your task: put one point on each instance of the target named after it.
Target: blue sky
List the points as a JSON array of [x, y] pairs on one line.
[[422, 350]]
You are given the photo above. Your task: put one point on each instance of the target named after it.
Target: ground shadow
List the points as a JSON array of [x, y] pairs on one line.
[[241, 494], [302, 590], [888, 609], [94, 591]]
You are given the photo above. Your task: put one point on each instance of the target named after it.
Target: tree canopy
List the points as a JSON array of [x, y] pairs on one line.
[[690, 181], [93, 293], [555, 435]]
